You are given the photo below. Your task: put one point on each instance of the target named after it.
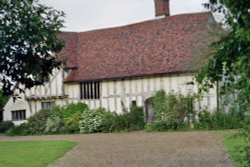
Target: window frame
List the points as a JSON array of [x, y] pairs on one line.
[[48, 105], [18, 115], [90, 90]]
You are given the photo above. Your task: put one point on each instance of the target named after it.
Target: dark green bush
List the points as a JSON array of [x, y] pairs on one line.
[[37, 122], [23, 129], [157, 127], [72, 108], [111, 123], [5, 125], [170, 111], [72, 122], [218, 120], [57, 111], [133, 120]]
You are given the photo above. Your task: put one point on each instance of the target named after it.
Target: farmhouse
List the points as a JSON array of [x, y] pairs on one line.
[[116, 67]]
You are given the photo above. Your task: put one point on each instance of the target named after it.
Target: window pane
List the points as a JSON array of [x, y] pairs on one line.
[[90, 90], [18, 115]]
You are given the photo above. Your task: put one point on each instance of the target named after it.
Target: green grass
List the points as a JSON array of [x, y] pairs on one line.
[[233, 143], [32, 153]]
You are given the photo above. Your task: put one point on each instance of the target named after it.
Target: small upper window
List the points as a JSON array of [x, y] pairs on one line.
[[90, 90], [18, 115], [133, 103], [48, 104]]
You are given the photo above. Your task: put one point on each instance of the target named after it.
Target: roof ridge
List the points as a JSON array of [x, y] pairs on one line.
[[141, 22]]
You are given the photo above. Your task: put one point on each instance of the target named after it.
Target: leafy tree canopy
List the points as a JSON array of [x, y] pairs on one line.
[[28, 43], [231, 61], [2, 100]]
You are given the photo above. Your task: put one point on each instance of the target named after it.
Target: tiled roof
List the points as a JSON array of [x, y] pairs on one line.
[[68, 54], [175, 44]]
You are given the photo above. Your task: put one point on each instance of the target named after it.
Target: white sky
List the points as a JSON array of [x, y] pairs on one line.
[[84, 15]]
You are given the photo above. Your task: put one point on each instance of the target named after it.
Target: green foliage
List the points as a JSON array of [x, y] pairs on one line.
[[53, 124], [37, 122], [72, 108], [65, 119], [23, 129], [91, 120], [160, 104], [171, 109], [28, 41], [101, 120], [235, 144], [157, 127], [5, 125], [218, 120], [57, 111], [111, 123], [133, 120], [230, 65], [72, 122], [245, 149], [2, 99], [231, 60]]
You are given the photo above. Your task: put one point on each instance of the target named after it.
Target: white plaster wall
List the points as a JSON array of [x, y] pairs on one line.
[[116, 93], [18, 104], [51, 88], [113, 93]]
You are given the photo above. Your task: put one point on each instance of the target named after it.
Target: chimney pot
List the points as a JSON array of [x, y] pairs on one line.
[[162, 8]]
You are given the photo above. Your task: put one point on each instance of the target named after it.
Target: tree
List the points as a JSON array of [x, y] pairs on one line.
[[231, 61], [28, 43], [2, 100], [230, 65]]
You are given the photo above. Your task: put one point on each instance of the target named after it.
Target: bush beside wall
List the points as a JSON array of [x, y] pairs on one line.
[[101, 120], [172, 112], [5, 125], [77, 118]]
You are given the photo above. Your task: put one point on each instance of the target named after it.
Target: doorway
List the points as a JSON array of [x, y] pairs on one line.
[[149, 113]]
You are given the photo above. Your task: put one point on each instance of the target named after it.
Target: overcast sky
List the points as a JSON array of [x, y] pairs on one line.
[[85, 15]]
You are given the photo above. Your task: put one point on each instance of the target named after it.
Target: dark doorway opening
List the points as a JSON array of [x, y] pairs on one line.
[[149, 113]]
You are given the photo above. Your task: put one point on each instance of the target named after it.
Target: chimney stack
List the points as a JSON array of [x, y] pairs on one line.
[[162, 8]]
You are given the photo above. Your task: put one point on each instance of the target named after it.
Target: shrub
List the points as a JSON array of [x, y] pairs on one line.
[[111, 122], [73, 108], [37, 122], [101, 120], [5, 125], [53, 124], [91, 120], [204, 120], [22, 129], [57, 111], [171, 110], [133, 120], [218, 120], [156, 127], [72, 122]]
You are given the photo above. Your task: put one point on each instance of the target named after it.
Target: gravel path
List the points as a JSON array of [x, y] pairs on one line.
[[141, 149]]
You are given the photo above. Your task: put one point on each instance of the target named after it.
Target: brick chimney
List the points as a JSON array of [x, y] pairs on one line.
[[162, 8]]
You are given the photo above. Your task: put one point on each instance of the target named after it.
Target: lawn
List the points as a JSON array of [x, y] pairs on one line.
[[233, 143], [32, 153]]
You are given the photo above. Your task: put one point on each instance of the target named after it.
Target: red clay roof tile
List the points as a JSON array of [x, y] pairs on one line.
[[175, 44]]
